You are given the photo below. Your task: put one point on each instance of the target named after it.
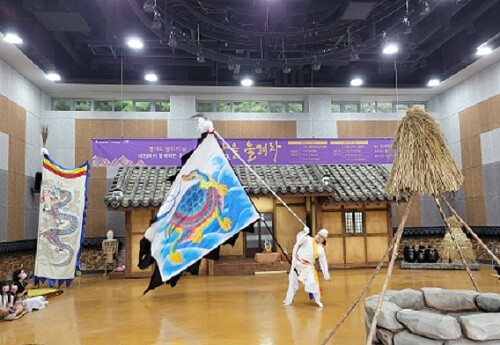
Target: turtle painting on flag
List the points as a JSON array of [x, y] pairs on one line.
[[205, 207]]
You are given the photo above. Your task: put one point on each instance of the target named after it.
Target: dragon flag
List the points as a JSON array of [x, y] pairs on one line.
[[205, 208], [63, 195]]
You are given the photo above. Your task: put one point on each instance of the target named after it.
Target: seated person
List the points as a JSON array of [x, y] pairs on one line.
[[22, 287], [10, 308], [5, 299]]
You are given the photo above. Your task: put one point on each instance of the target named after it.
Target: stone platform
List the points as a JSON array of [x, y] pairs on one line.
[[437, 266], [241, 266]]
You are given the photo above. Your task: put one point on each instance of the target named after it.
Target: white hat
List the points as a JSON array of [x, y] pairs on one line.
[[323, 233]]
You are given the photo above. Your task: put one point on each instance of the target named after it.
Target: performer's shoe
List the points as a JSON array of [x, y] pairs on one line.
[[285, 303], [320, 305]]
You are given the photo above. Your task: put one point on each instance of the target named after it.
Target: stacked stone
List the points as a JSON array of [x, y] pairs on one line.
[[434, 316]]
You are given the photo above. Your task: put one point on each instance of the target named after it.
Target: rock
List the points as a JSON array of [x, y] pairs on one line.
[[481, 326], [409, 299], [387, 318], [464, 341], [407, 338], [430, 324], [385, 336], [458, 315], [488, 302], [368, 324], [450, 300]]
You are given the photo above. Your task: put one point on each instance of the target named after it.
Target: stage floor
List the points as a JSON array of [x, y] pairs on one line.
[[221, 310]]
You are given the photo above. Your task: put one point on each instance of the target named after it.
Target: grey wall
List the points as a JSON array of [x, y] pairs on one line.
[[447, 106]]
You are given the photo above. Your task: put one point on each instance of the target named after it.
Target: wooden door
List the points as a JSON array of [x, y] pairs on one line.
[[358, 234]]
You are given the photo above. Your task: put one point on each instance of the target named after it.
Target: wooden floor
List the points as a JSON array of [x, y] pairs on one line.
[[214, 310]]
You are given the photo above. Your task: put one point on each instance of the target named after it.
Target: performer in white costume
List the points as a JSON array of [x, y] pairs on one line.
[[305, 252]]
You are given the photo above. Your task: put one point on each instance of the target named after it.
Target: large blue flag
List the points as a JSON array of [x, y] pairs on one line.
[[205, 207]]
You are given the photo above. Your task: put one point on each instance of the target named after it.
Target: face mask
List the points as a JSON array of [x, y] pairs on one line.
[[5, 289], [23, 276]]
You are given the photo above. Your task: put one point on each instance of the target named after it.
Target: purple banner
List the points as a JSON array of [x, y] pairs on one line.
[[164, 152]]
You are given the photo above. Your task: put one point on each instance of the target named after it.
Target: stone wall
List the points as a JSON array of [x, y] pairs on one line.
[[92, 260], [434, 316]]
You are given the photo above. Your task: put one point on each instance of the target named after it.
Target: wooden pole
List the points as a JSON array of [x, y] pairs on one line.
[[399, 234], [470, 230], [466, 265], [358, 298]]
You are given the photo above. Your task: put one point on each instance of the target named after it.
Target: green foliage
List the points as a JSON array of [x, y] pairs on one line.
[[62, 104], [142, 106]]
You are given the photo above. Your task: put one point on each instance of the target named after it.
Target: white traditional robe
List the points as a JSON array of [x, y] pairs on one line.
[[304, 254]]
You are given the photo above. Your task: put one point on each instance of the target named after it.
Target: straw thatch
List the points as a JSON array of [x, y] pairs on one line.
[[423, 163], [454, 238]]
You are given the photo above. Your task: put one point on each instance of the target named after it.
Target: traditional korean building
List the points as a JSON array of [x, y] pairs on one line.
[[348, 200]]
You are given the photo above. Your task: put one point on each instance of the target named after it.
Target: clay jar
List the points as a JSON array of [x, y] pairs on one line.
[[421, 255], [431, 255], [409, 254]]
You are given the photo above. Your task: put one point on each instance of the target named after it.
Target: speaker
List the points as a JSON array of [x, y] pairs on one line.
[[38, 183]]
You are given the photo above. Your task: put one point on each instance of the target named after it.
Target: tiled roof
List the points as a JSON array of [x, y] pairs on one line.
[[147, 186], [440, 230]]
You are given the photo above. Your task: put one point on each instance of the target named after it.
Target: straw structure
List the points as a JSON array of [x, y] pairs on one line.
[[423, 163], [456, 240]]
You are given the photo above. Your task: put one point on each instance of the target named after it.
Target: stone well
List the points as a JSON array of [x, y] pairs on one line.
[[434, 316]]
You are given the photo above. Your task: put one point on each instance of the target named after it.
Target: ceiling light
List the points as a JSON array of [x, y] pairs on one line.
[[433, 82], [54, 76], [316, 65], [390, 48], [151, 77], [149, 6], [483, 49], [156, 24], [246, 81], [356, 82], [13, 38], [135, 43], [286, 68], [200, 58]]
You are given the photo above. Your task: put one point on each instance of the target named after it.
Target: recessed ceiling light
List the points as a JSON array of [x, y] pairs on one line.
[[483, 49], [135, 43], [13, 38], [390, 49], [151, 77], [246, 81], [356, 82], [434, 82], [54, 76]]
